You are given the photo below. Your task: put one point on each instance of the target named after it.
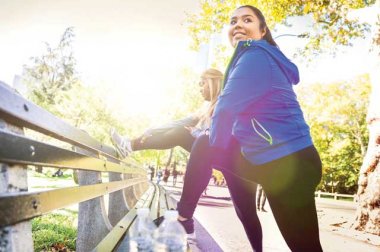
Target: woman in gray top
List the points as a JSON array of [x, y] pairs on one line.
[[178, 133]]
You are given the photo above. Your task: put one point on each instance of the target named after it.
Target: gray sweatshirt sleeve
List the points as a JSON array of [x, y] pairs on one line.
[[189, 121]]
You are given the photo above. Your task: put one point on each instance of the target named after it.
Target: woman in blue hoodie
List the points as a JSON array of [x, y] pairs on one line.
[[258, 134]]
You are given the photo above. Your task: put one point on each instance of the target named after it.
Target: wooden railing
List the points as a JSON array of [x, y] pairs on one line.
[[128, 186], [336, 196]]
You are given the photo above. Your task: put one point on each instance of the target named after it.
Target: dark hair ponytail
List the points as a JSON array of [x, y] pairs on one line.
[[263, 24]]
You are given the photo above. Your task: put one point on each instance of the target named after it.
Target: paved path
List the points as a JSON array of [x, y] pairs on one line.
[[216, 213]]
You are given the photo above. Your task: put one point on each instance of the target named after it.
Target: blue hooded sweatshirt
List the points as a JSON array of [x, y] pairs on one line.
[[258, 106]]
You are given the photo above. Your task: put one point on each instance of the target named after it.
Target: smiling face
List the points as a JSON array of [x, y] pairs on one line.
[[244, 25]]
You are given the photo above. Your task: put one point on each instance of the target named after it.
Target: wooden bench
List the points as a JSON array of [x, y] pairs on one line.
[[128, 186]]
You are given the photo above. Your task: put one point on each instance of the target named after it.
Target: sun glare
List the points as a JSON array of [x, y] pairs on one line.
[[141, 76]]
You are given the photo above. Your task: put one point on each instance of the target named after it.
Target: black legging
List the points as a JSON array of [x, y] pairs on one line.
[[289, 183], [177, 136]]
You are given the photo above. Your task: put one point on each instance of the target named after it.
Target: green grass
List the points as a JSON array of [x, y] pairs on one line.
[[47, 174], [55, 230]]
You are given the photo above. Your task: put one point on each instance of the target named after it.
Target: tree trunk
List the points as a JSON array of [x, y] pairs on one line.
[[169, 159], [368, 196]]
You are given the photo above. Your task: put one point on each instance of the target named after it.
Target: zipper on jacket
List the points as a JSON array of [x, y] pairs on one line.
[[268, 138], [232, 59]]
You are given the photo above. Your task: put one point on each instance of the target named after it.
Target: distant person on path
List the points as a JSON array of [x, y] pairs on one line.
[[214, 180], [166, 176], [175, 174], [159, 175], [258, 134], [261, 199], [151, 169]]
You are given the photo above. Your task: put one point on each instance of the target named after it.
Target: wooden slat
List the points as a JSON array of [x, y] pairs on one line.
[[145, 199], [114, 237], [163, 203], [155, 203], [23, 113], [23, 206], [170, 201], [16, 149]]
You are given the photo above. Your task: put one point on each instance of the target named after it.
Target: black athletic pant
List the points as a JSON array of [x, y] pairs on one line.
[[289, 183]]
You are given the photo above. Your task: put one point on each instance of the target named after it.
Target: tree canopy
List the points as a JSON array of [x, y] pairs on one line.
[[338, 128], [332, 24], [52, 73]]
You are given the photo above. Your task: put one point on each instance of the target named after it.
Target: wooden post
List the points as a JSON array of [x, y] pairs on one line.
[[117, 207], [93, 223], [129, 193], [138, 189], [14, 179]]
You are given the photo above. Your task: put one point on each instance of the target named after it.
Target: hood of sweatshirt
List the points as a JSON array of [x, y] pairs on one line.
[[288, 67]]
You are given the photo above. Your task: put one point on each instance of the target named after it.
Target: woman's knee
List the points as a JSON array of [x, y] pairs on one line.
[[199, 156], [247, 216], [201, 143], [243, 196]]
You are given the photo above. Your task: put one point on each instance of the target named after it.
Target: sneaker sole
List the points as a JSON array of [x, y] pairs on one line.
[[191, 237]]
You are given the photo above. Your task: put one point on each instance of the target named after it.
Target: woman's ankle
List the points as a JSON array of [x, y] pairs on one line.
[[180, 218]]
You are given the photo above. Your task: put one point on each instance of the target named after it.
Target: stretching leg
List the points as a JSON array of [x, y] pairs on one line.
[[243, 193], [177, 136], [197, 177]]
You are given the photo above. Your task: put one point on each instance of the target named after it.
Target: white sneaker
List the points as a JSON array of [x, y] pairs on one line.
[[188, 225], [122, 144], [191, 237]]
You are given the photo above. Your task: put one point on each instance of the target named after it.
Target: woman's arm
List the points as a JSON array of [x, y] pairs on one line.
[[248, 82]]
